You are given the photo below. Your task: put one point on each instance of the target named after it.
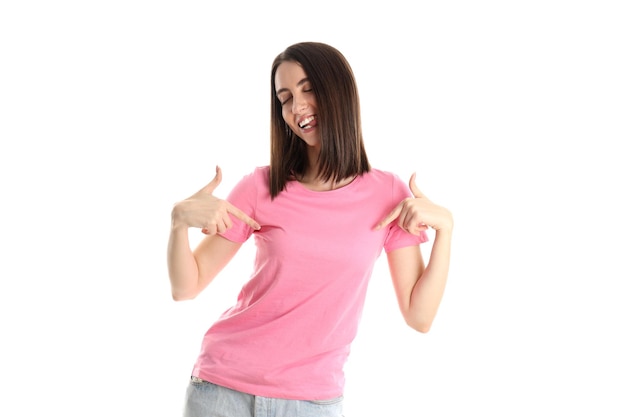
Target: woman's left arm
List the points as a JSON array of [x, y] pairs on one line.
[[419, 288]]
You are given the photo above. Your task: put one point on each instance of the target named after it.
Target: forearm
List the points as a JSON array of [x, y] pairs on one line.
[[182, 265], [428, 291]]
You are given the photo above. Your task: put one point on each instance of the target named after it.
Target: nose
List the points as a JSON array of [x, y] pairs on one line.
[[300, 104]]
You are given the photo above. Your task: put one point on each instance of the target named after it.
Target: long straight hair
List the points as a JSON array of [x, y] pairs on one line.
[[342, 152]]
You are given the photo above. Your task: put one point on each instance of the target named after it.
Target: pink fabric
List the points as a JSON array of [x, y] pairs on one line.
[[289, 333]]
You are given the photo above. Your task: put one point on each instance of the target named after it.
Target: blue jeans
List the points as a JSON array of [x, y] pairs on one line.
[[205, 399]]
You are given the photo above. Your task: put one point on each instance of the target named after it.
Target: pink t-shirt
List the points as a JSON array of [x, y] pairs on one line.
[[289, 333]]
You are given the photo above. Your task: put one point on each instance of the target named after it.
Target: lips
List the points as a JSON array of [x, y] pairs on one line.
[[308, 122]]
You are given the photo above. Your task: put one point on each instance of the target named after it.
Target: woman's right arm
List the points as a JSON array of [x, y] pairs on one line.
[[191, 271]]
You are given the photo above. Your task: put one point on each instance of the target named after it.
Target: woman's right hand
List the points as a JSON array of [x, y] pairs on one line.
[[207, 212]]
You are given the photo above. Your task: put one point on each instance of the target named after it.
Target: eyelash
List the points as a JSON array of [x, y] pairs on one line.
[[282, 103]]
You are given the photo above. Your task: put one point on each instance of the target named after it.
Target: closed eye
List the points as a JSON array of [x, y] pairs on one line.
[[303, 83]]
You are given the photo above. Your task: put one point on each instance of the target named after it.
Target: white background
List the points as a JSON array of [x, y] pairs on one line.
[[512, 114]]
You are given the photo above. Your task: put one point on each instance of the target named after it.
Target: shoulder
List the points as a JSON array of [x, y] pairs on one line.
[[382, 177], [250, 187], [258, 175], [263, 170], [387, 181], [256, 181]]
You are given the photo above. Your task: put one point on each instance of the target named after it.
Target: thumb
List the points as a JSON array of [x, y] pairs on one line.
[[417, 193], [210, 187]]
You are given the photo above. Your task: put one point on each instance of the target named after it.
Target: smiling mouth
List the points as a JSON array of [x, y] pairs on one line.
[[306, 122]]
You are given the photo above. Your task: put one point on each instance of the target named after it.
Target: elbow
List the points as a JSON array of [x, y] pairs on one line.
[[183, 296], [421, 325], [423, 328]]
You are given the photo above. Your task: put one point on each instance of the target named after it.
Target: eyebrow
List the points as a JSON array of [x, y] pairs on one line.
[[302, 81]]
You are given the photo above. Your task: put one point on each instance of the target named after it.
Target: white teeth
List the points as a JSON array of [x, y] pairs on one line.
[[306, 121]]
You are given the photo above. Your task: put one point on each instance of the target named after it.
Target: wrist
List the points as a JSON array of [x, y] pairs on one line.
[[177, 222], [447, 223]]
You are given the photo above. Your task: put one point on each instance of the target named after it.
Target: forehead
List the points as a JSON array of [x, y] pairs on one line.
[[288, 75]]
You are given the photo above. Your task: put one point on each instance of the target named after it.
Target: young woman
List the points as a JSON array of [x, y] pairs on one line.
[[320, 217]]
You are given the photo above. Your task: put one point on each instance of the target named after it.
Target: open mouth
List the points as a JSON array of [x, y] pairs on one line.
[[307, 122]]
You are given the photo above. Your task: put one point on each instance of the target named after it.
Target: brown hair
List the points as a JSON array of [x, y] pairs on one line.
[[342, 152]]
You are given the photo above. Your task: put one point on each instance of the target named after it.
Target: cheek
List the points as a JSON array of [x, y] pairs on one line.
[[286, 116]]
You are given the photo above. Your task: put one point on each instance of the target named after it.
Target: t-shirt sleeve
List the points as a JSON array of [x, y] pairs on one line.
[[398, 238], [243, 196]]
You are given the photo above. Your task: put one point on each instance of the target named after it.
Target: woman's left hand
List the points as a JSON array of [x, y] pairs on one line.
[[418, 213]]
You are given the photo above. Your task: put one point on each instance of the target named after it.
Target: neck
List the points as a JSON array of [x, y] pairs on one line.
[[311, 178], [312, 181]]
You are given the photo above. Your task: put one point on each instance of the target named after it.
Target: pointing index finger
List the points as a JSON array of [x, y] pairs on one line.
[[390, 217], [243, 217]]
